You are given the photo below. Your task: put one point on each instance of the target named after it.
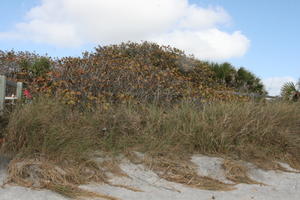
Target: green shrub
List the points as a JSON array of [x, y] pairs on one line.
[[38, 68]]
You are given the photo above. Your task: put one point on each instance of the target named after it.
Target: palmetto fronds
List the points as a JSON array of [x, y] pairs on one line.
[[289, 89]]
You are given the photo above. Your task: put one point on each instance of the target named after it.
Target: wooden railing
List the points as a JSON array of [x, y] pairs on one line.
[[14, 97]]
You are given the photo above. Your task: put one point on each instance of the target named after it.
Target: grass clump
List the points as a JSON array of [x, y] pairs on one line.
[[181, 170], [237, 172], [48, 153], [43, 128], [48, 131]]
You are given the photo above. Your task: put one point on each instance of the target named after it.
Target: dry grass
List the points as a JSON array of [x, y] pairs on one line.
[[46, 129], [50, 129], [182, 171], [237, 172], [42, 174]]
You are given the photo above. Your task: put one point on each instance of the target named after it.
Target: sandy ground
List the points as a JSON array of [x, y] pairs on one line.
[[279, 185]]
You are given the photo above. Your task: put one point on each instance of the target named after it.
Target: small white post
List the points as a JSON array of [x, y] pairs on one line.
[[19, 90], [2, 93]]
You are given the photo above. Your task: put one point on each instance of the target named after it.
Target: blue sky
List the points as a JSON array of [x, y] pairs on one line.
[[261, 35]]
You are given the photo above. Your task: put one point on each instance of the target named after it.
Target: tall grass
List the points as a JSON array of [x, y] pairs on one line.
[[241, 130]]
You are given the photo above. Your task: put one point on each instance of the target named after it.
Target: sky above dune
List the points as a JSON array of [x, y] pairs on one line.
[[262, 36]]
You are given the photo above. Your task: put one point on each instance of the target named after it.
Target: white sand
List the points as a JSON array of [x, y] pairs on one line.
[[280, 185]]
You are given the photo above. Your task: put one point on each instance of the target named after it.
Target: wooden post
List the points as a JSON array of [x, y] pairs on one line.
[[19, 90], [2, 93]]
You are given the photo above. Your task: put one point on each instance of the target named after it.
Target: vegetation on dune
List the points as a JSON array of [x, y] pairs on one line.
[[145, 98], [49, 130], [143, 72]]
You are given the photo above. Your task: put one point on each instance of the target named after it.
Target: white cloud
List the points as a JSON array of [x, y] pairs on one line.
[[203, 18], [210, 44], [71, 23], [59, 34], [274, 84]]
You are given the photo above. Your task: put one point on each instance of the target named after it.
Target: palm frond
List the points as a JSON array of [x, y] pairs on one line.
[[288, 89]]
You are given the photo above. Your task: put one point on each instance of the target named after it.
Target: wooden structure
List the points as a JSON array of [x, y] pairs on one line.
[[3, 86]]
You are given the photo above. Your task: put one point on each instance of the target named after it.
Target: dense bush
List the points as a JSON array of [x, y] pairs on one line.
[[143, 72], [13, 63]]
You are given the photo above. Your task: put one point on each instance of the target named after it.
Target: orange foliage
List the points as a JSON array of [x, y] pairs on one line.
[[143, 72]]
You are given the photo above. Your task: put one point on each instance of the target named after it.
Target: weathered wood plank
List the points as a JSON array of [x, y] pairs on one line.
[[11, 98], [19, 90], [2, 93]]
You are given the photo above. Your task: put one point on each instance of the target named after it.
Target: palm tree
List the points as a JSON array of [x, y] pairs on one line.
[[248, 82], [291, 91], [241, 79], [225, 72]]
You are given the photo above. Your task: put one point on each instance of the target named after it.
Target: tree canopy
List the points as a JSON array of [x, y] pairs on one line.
[[241, 79]]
